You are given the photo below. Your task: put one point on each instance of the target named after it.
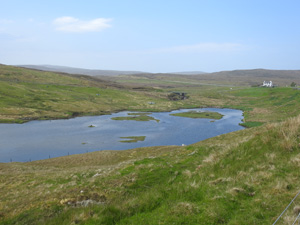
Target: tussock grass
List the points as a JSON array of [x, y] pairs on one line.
[[245, 177]]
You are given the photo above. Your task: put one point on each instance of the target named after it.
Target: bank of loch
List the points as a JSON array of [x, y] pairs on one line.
[[35, 140]]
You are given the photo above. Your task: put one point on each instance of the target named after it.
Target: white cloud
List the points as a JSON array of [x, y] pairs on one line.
[[71, 24]]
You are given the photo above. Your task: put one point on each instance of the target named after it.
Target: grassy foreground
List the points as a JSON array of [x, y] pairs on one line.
[[245, 177]]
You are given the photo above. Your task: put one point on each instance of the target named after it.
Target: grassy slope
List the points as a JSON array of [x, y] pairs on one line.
[[28, 94], [235, 77], [259, 104], [245, 177]]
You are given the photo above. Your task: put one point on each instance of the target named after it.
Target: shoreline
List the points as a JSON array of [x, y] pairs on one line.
[[101, 113], [105, 145]]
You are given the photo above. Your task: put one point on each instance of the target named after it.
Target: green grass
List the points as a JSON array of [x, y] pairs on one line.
[[250, 124], [139, 114], [269, 104], [196, 114], [259, 104], [244, 177], [28, 95], [136, 117], [133, 139]]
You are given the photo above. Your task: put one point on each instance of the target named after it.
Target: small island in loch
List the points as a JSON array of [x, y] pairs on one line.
[[132, 139], [136, 117], [198, 114]]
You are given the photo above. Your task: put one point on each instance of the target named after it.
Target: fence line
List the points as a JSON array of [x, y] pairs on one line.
[[287, 208], [296, 219]]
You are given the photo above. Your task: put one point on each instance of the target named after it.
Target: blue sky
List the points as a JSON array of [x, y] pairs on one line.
[[152, 36]]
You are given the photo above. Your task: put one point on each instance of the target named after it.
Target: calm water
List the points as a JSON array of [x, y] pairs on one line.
[[43, 139]]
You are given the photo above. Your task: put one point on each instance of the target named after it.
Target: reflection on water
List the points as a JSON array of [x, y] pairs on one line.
[[43, 139]]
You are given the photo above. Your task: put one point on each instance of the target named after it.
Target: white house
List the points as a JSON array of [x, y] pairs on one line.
[[267, 84]]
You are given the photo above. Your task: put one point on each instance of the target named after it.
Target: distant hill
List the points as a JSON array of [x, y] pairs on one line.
[[237, 77], [189, 73], [260, 73], [251, 77], [90, 72], [72, 70]]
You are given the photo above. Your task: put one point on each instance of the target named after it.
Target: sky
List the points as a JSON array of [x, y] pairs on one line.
[[152, 36]]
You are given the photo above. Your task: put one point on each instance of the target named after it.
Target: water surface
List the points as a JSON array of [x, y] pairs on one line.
[[37, 140]]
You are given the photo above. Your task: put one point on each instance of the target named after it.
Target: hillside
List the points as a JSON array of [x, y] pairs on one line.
[[228, 78], [236, 77], [245, 177], [27, 94], [189, 72], [253, 77]]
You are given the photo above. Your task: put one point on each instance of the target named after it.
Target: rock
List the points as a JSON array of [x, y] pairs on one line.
[[297, 210], [85, 203], [67, 201]]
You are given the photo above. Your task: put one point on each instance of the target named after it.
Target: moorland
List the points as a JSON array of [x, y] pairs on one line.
[[244, 177]]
